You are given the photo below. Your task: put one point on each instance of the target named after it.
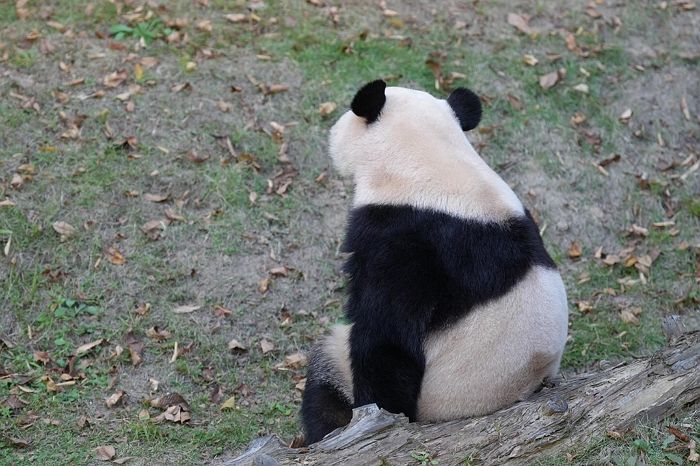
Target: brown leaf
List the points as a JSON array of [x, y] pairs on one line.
[[679, 434], [220, 311], [186, 308], [235, 17], [168, 400], [157, 333], [66, 230], [115, 79], [193, 156], [42, 357], [105, 452], [549, 80], [223, 106], [279, 271], [295, 360], [114, 399], [574, 250], [630, 315], [266, 346], [143, 309], [326, 108], [153, 228], [236, 346], [520, 22], [264, 285], [18, 442], [274, 88], [17, 181], [181, 87], [156, 197], [82, 349], [114, 256], [204, 25], [530, 60], [135, 347]]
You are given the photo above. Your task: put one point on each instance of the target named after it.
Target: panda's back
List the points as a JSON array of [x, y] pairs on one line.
[[498, 353], [436, 261]]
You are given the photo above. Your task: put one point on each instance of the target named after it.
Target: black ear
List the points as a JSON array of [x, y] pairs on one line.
[[466, 106], [369, 100]]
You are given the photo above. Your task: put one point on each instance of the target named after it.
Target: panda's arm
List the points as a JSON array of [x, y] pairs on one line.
[[393, 286]]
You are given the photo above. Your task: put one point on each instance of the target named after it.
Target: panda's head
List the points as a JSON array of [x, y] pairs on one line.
[[404, 146], [383, 119]]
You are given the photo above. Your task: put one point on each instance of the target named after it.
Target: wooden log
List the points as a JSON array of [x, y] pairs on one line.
[[553, 421]]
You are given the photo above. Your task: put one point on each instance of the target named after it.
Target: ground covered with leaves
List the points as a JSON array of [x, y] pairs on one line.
[[170, 222]]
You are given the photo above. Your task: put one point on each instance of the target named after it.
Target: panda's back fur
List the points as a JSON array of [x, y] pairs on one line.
[[455, 307]]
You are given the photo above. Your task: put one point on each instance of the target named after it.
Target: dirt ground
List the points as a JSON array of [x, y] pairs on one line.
[[165, 192]]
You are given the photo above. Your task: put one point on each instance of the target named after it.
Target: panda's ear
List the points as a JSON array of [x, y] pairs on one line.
[[369, 100], [467, 107]]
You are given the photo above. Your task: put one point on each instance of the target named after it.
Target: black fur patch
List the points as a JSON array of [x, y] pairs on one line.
[[369, 100], [323, 409], [467, 107], [413, 271]]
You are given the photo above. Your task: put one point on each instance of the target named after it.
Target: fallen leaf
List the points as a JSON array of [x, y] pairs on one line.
[[274, 88], [582, 88], [186, 309], [42, 357], [204, 25], [157, 333], [114, 256], [181, 87], [115, 79], [577, 119], [135, 346], [236, 346], [193, 156], [156, 197], [574, 251], [153, 228], [295, 360], [220, 311], [229, 404], [16, 181], [266, 346], [223, 106], [143, 309], [105, 452], [326, 108], [530, 60], [630, 315], [235, 17], [549, 80], [82, 349], [264, 285], [114, 399], [679, 434], [684, 109], [520, 22], [168, 400], [693, 455], [626, 115], [66, 230], [18, 442]]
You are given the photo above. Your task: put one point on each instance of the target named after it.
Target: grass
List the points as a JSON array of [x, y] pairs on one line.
[[230, 230]]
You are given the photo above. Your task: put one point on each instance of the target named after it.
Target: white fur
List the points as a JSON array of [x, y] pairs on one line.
[[417, 154], [498, 353]]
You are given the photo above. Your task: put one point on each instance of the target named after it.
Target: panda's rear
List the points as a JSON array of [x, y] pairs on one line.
[[455, 307]]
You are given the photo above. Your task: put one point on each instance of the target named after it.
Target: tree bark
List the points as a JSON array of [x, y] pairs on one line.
[[551, 422]]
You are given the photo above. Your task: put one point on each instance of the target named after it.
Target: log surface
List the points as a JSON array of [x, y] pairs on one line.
[[551, 422]]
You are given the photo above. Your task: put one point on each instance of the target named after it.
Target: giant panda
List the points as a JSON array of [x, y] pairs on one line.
[[455, 309]]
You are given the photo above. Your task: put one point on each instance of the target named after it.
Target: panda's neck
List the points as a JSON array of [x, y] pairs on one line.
[[462, 186]]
